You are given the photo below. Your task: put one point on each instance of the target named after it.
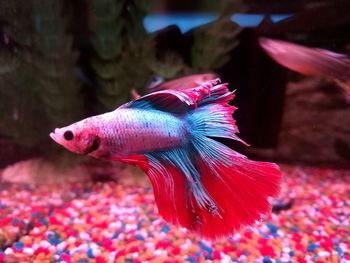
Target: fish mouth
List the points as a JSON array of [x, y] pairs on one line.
[[55, 135]]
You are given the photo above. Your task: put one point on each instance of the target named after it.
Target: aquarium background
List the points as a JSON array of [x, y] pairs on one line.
[[61, 61]]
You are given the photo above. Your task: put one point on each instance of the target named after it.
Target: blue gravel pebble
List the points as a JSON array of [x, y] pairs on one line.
[[44, 221], [165, 228], [140, 223], [18, 245], [139, 237], [294, 229], [90, 253], [339, 251], [35, 214], [266, 236], [312, 247], [267, 260], [291, 253], [116, 235], [273, 228], [54, 238], [191, 259], [206, 248], [64, 251], [335, 241], [14, 221]]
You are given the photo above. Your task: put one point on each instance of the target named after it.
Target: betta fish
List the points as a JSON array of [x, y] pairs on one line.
[[198, 182], [310, 61], [191, 81]]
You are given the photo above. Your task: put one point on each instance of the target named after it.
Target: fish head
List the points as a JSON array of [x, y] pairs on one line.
[[81, 137]]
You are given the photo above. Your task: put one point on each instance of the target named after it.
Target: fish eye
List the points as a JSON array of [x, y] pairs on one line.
[[68, 135]]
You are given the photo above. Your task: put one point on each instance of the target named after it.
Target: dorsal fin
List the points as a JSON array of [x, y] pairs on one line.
[[168, 100], [181, 101]]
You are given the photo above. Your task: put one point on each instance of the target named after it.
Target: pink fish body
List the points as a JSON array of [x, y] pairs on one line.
[[133, 131], [198, 182]]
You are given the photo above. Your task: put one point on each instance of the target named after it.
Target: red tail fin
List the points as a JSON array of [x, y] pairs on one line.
[[239, 191]]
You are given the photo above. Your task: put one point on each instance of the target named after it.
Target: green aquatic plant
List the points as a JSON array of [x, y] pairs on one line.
[[213, 44], [170, 65], [55, 64], [22, 118], [40, 90], [20, 102], [121, 49]]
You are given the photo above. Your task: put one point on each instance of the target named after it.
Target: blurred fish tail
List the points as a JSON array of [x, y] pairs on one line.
[[310, 61]]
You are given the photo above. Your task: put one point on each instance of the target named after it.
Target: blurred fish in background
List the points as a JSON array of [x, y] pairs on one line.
[[188, 82], [310, 61]]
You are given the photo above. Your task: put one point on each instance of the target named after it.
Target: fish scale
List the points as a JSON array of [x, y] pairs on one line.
[[134, 131]]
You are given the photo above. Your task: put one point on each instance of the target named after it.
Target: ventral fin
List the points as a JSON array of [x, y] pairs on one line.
[[180, 196], [139, 160]]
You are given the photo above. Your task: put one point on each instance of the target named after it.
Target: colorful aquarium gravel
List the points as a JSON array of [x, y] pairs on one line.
[[109, 222]]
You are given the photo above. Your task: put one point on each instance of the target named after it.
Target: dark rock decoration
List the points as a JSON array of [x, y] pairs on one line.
[[315, 125]]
